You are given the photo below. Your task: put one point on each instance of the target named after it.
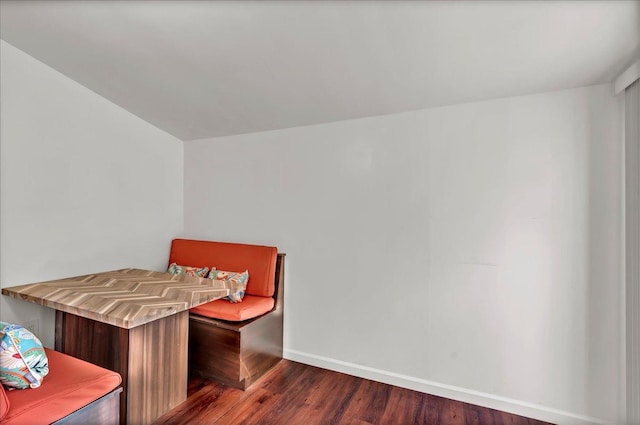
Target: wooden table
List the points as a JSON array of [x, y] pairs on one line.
[[132, 321]]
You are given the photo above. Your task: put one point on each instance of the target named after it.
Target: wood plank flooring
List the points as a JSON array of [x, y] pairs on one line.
[[297, 394]]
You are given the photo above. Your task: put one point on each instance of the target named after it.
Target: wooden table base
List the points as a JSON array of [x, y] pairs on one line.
[[151, 358]]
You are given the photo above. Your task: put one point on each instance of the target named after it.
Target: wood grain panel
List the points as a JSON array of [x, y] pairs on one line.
[[214, 351], [260, 346], [157, 368]]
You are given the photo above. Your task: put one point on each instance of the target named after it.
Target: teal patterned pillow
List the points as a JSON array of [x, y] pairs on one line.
[[23, 362], [187, 270], [237, 282]]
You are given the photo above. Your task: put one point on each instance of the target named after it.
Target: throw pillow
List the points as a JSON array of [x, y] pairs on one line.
[[23, 362], [237, 283], [188, 270]]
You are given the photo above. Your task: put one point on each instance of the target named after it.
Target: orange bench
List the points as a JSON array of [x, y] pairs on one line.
[[235, 343], [73, 392]]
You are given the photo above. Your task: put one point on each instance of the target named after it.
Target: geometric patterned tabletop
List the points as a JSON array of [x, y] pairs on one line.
[[126, 298]]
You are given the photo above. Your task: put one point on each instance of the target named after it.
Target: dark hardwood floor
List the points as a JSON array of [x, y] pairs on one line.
[[297, 394]]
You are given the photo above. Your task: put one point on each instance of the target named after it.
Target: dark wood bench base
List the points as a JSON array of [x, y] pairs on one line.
[[238, 353]]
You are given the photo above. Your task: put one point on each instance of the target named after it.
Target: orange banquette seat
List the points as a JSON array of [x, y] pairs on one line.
[[73, 392], [235, 343]]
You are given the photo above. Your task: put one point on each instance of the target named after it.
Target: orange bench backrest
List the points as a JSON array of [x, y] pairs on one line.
[[259, 260]]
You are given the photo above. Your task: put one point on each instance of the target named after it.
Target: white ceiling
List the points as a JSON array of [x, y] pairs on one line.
[[202, 69]]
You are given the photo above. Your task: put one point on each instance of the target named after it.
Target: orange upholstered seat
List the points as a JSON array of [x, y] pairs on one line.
[[260, 261], [70, 385], [4, 403], [250, 307]]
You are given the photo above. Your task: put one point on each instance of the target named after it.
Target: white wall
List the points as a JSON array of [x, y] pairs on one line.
[[85, 185], [472, 250]]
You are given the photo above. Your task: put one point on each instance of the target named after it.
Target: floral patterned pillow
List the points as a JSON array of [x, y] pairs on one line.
[[237, 283], [187, 270], [23, 362]]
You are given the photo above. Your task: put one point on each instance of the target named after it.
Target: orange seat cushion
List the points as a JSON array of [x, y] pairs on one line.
[[250, 307], [4, 403], [70, 385], [259, 260]]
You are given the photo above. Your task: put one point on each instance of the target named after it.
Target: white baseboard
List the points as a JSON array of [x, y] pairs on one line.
[[491, 401]]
